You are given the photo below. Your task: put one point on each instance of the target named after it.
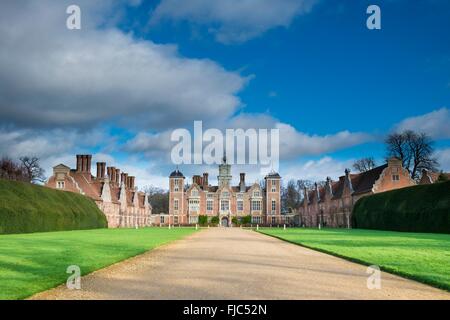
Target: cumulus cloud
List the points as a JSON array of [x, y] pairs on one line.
[[443, 158], [293, 143], [436, 124], [234, 20], [317, 170], [52, 76]]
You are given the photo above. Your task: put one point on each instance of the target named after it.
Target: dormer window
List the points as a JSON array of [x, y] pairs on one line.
[[60, 185], [256, 194], [194, 193]]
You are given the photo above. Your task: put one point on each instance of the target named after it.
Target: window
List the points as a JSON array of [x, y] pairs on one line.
[[175, 204], [240, 205], [274, 186], [225, 194], [256, 194], [194, 205], [210, 195], [193, 220], [162, 219], [395, 177], [274, 220], [175, 220], [224, 205], [256, 205], [176, 185], [209, 205], [256, 219], [274, 206], [60, 185], [194, 193]]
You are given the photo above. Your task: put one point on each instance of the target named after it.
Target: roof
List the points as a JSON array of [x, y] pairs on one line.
[[176, 173], [363, 182], [273, 174]]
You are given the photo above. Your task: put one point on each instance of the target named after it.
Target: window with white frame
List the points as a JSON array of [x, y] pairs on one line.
[[193, 219], [225, 194], [60, 185], [175, 220], [257, 194], [175, 204], [256, 205], [194, 193], [256, 219], [209, 205], [274, 206], [163, 219], [395, 177], [240, 205], [176, 185], [224, 205], [194, 205], [274, 186]]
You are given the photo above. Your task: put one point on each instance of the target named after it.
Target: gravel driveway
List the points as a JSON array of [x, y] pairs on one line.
[[232, 263]]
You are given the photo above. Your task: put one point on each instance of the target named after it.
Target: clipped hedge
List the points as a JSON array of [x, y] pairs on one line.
[[26, 208], [423, 208]]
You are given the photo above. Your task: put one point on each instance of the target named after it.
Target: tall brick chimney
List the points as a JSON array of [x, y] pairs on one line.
[[205, 180], [125, 179], [132, 180], [88, 163], [99, 170], [112, 176], [108, 171], [79, 163], [117, 176], [242, 182]]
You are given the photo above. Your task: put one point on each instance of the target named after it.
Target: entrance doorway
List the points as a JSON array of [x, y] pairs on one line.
[[224, 222]]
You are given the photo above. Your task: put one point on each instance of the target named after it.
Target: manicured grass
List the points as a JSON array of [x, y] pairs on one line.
[[30, 263], [424, 257]]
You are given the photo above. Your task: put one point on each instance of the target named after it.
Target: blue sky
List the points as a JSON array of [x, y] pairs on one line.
[[310, 65]]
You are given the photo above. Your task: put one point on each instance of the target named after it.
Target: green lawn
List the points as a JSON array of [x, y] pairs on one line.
[[30, 263], [424, 257]]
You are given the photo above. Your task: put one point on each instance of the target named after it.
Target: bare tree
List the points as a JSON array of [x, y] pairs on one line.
[[10, 170], [364, 164], [414, 149], [34, 171], [159, 199]]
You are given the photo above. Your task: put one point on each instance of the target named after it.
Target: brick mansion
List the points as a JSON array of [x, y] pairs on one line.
[[329, 204], [225, 201], [113, 191]]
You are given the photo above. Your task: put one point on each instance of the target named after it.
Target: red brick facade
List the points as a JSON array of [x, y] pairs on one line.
[[332, 204], [113, 192], [225, 201]]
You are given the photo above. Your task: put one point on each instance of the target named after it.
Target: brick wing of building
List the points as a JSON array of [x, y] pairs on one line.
[[187, 203], [113, 192], [332, 204]]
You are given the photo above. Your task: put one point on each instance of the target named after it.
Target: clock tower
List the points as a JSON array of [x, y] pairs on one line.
[[224, 177]]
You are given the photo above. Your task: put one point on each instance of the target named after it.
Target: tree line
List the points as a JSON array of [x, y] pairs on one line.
[[26, 169]]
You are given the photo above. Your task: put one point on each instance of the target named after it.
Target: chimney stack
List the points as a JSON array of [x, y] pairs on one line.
[[79, 163], [101, 170], [117, 176], [242, 182], [125, 179], [205, 180], [88, 163], [197, 179], [132, 182], [242, 178], [112, 176], [108, 172]]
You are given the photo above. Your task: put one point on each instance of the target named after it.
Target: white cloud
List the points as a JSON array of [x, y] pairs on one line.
[[234, 20], [317, 170], [443, 158], [55, 77], [436, 124], [293, 143]]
